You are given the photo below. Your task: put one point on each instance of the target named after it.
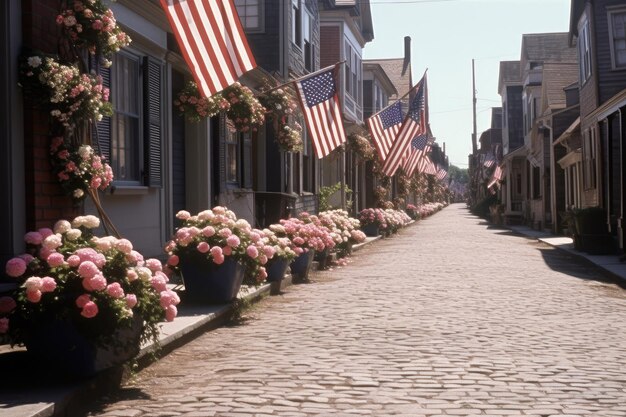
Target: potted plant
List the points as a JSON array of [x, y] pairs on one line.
[[84, 303], [214, 251], [372, 220], [345, 230], [284, 254], [412, 211]]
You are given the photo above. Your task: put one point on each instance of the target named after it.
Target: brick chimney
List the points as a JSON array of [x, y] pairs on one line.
[[407, 54]]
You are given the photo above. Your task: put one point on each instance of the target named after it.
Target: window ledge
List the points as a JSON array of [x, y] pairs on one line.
[[129, 190]]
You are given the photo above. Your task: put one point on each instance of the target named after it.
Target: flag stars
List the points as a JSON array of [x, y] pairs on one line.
[[319, 88], [392, 115]]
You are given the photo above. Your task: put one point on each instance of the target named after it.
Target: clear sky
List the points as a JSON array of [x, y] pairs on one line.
[[446, 35]]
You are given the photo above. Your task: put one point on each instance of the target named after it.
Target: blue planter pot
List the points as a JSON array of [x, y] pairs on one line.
[[59, 346], [276, 269], [210, 283], [302, 264], [370, 230]]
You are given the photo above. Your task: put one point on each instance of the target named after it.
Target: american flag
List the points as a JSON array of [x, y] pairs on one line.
[[426, 166], [420, 146], [442, 173], [489, 160], [414, 124], [384, 127], [496, 177], [212, 41], [322, 113]]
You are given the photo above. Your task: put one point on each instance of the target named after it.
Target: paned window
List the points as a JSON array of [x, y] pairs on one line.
[[617, 22], [250, 14], [589, 159], [584, 51]]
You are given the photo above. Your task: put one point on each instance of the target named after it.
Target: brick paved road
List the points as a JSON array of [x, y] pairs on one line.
[[450, 318]]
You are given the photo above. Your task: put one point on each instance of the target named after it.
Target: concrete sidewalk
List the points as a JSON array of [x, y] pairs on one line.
[[609, 263], [47, 397]]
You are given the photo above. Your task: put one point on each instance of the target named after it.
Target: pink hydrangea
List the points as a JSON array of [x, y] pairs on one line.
[[252, 251], [73, 260], [183, 215], [170, 312], [88, 269], [218, 260], [34, 296], [7, 304], [33, 283], [208, 231], [55, 259], [131, 300], [33, 238], [203, 247], [216, 251], [26, 257], [4, 325], [173, 260], [159, 281], [115, 290], [90, 310], [52, 242], [154, 264], [15, 267], [124, 246], [82, 300], [97, 283], [132, 275], [233, 241], [168, 298], [225, 232], [45, 232], [48, 284], [227, 251]]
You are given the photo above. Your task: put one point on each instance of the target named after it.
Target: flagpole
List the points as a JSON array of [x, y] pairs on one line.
[[401, 98], [300, 78]]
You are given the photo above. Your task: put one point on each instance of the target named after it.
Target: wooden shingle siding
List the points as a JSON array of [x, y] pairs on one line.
[[610, 81]]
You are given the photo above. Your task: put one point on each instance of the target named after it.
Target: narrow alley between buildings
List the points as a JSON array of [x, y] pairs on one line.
[[451, 317]]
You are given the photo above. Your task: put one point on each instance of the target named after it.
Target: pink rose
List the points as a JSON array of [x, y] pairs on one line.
[[7, 304], [82, 300], [131, 300], [4, 325], [203, 247], [15, 267], [90, 310], [115, 290], [48, 284]]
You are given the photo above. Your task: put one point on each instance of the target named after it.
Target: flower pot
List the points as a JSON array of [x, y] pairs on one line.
[[322, 258], [302, 264], [276, 269], [370, 230], [210, 283], [58, 346]]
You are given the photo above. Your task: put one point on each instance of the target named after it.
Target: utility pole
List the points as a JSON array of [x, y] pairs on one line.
[[474, 133]]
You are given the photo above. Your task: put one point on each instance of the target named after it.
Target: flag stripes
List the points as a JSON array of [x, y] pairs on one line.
[[212, 41]]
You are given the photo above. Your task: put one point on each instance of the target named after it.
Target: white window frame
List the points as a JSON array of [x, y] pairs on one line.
[[138, 150], [242, 8], [584, 50], [612, 12]]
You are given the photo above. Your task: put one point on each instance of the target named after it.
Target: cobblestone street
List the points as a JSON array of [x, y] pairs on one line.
[[450, 318]]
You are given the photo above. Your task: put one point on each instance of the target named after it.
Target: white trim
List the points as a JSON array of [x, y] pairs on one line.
[[611, 11]]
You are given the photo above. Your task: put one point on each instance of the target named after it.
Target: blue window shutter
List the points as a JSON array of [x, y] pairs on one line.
[[153, 122]]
